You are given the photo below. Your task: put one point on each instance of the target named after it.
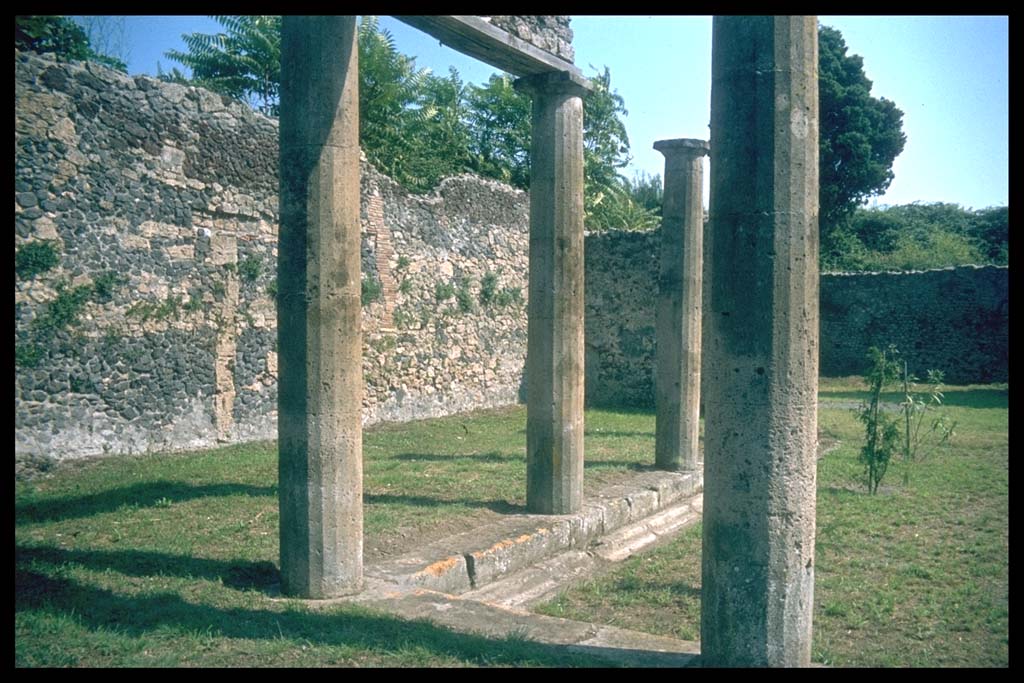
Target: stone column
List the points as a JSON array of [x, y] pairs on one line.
[[761, 344], [320, 383], [554, 356], [677, 375]]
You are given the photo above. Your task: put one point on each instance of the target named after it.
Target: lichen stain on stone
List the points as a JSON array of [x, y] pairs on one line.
[[501, 545], [440, 567]]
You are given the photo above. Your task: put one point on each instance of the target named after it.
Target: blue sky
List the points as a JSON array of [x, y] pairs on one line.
[[949, 75]]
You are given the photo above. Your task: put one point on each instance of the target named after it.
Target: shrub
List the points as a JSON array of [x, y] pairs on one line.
[[882, 430]]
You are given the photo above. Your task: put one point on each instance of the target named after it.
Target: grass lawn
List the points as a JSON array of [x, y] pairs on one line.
[[163, 560], [917, 575]]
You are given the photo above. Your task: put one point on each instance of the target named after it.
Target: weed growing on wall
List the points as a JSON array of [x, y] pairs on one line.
[[195, 303], [464, 297], [104, 286], [34, 258], [508, 296], [488, 288], [371, 291], [60, 313], [250, 268], [402, 318], [443, 291], [155, 310]]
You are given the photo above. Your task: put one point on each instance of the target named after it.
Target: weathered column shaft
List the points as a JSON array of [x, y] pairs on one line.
[[761, 344], [320, 384], [677, 376], [554, 357]]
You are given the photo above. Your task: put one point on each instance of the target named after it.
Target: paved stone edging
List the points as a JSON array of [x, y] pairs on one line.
[[474, 559]]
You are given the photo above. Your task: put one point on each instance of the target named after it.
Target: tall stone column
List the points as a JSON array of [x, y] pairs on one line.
[[320, 383], [677, 376], [761, 344], [554, 356]]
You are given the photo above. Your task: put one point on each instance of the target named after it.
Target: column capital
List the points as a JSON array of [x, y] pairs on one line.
[[691, 147], [554, 82]]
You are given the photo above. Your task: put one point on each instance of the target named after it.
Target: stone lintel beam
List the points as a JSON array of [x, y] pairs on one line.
[[678, 326], [320, 384], [555, 354], [481, 40], [761, 344]]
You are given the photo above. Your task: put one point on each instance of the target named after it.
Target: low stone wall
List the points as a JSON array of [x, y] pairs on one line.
[[621, 303], [954, 319]]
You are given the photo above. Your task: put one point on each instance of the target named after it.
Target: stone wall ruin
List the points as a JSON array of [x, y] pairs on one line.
[[173, 189]]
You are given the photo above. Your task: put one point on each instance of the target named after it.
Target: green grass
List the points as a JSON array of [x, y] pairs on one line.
[[917, 575], [165, 560]]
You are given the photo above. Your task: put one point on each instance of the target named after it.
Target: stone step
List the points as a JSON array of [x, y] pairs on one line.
[[476, 558], [544, 580], [615, 645]]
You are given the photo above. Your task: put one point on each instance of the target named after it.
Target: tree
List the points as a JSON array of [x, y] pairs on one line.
[[244, 63], [391, 92], [419, 128], [61, 36], [859, 137], [108, 37], [442, 129], [647, 190], [499, 123], [499, 131], [990, 228]]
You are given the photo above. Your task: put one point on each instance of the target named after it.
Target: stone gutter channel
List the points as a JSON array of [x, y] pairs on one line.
[[484, 580], [472, 560]]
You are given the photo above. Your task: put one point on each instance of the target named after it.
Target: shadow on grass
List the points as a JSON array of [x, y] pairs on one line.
[[502, 458], [970, 398], [238, 574], [138, 616], [500, 506], [627, 435], [618, 464], [136, 495], [474, 457]]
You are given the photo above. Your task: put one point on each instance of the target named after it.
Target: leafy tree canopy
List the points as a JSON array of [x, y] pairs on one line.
[[919, 236], [244, 62], [859, 138], [415, 126]]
